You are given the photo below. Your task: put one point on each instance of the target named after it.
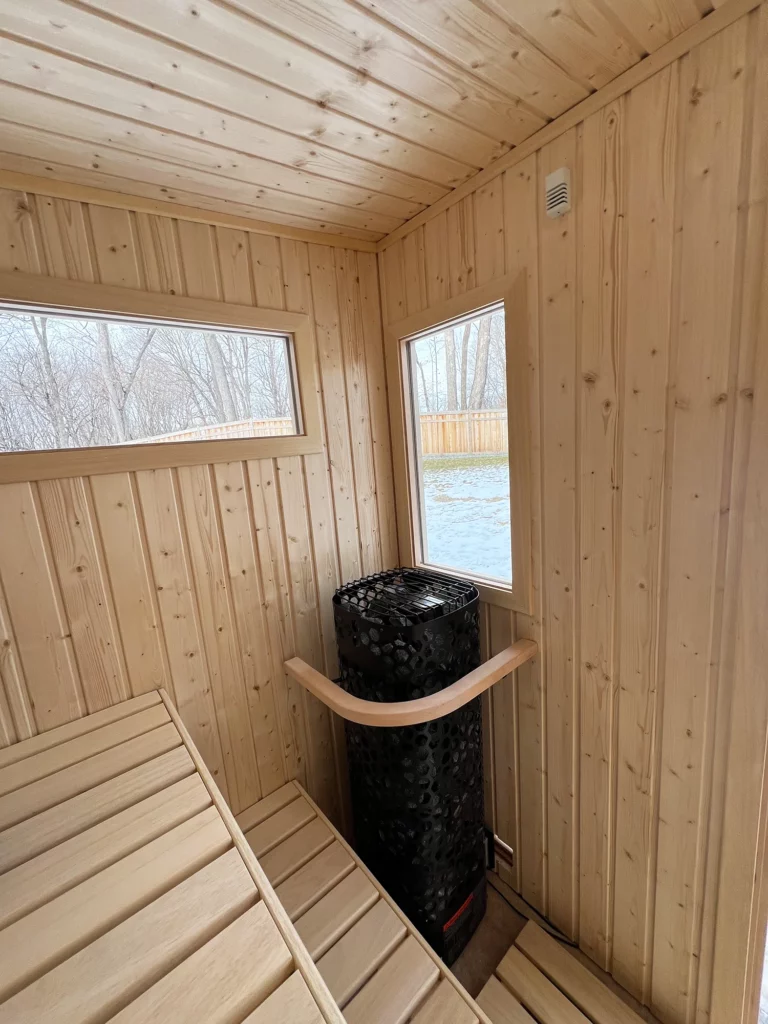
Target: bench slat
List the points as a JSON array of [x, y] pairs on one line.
[[223, 981], [114, 970]]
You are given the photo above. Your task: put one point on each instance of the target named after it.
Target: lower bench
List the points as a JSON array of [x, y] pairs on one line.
[[129, 892], [540, 982], [375, 964]]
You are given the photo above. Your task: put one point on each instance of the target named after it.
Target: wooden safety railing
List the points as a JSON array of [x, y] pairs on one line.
[[412, 712]]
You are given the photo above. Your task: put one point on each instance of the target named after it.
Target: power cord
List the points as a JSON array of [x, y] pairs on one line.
[[524, 909]]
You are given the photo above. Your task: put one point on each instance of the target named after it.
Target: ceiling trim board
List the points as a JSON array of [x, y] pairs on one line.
[[699, 33], [55, 188]]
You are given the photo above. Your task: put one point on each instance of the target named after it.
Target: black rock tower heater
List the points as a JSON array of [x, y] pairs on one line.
[[417, 791]]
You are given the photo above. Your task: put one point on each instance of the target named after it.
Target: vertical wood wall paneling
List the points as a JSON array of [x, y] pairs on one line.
[[17, 720], [713, 86], [325, 731], [521, 194], [64, 239], [371, 313], [114, 246], [36, 612], [489, 779], [651, 148], [19, 243], [602, 285], [558, 283], [331, 359], [461, 246], [358, 409], [644, 325], [274, 575], [159, 254], [308, 637], [260, 676], [489, 231], [191, 684], [78, 561], [116, 505], [731, 959], [201, 515], [504, 767]]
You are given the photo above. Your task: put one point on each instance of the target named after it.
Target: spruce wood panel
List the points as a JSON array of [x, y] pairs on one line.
[[613, 750], [203, 579], [332, 117]]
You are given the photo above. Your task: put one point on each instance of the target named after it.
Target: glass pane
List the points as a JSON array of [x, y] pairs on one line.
[[459, 388], [70, 382]]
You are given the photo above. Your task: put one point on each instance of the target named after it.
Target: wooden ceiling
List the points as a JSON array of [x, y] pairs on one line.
[[345, 116]]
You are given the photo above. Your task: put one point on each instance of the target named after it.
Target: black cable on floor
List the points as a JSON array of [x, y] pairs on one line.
[[524, 908]]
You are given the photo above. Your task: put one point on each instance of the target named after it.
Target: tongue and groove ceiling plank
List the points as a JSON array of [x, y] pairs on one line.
[[343, 116]]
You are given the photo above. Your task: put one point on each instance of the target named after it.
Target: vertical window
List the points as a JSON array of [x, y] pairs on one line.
[[458, 387]]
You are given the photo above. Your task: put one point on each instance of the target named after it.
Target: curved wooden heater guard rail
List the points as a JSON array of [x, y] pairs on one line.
[[412, 712]]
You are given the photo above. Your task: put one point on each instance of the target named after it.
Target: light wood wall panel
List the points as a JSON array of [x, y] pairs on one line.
[[202, 579], [611, 756]]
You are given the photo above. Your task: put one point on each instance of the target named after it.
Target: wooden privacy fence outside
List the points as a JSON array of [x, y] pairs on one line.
[[237, 428], [442, 433], [473, 430]]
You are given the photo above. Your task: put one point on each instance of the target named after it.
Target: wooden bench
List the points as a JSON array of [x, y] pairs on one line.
[[129, 893], [377, 966], [540, 982]]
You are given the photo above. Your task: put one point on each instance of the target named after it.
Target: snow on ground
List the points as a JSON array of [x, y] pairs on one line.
[[466, 505]]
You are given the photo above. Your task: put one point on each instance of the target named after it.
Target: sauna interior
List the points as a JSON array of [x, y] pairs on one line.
[[452, 308]]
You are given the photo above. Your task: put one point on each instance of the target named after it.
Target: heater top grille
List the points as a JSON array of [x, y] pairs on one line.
[[404, 597]]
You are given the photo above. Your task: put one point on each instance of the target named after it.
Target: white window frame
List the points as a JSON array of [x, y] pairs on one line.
[[512, 293]]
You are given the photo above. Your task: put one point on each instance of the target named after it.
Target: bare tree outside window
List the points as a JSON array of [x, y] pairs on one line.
[[76, 382], [459, 385]]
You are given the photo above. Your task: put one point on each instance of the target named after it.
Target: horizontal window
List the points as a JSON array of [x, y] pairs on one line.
[[80, 381], [458, 386]]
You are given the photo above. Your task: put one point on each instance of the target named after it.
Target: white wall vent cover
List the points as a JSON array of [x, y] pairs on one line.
[[557, 192]]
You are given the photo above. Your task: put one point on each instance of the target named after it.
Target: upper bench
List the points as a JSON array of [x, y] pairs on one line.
[[129, 893]]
